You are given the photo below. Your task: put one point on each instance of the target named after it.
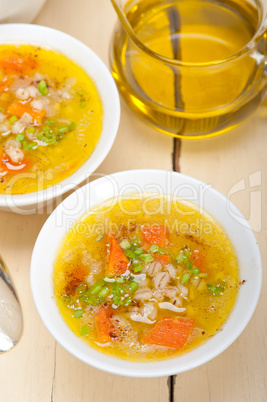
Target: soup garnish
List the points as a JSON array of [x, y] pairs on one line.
[[148, 286], [50, 118]]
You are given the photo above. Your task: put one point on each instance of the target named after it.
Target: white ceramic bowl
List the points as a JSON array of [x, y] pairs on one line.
[[96, 69], [158, 182]]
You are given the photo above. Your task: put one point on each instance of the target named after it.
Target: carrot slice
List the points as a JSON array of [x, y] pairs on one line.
[[155, 234], [118, 262], [7, 167], [170, 332], [4, 84], [104, 326], [18, 108], [18, 65], [74, 279], [163, 259], [198, 260]]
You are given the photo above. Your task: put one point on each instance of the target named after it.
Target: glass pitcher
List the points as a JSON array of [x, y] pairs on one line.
[[193, 68]]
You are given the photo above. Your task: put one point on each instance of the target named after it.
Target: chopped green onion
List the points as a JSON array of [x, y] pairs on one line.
[[127, 301], [195, 271], [202, 275], [1, 110], [81, 288], [185, 278], [154, 248], [99, 237], [187, 252], [137, 268], [33, 145], [189, 265], [83, 104], [138, 251], [13, 119], [125, 244], [147, 258], [116, 300], [181, 258], [96, 288], [130, 254], [104, 292], [31, 130], [72, 126], [120, 280], [133, 286], [66, 299], [135, 242], [20, 137], [78, 313], [51, 122], [85, 330], [43, 88], [62, 129], [216, 290]]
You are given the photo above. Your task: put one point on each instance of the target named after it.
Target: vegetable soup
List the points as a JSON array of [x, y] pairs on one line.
[[145, 279], [50, 118]]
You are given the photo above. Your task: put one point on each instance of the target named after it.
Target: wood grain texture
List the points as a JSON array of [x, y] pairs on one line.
[[234, 164], [40, 370]]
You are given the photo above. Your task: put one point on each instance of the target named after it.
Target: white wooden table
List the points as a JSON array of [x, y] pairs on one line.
[[40, 370]]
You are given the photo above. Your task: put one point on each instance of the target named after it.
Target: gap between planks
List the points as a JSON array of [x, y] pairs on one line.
[[176, 168]]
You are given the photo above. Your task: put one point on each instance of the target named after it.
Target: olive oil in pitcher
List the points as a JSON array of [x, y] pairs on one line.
[[193, 74]]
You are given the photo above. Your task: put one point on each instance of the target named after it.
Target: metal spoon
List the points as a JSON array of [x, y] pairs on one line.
[[11, 321]]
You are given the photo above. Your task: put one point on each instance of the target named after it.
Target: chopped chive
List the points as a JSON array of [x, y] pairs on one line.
[[195, 271], [43, 88], [51, 122], [1, 110], [85, 330], [99, 237], [72, 126], [83, 104], [20, 137], [137, 268], [154, 248], [31, 130], [147, 258], [202, 275], [133, 286], [78, 313], [125, 244], [185, 278], [13, 119]]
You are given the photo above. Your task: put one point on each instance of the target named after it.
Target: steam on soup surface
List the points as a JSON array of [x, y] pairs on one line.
[[145, 285], [50, 118]]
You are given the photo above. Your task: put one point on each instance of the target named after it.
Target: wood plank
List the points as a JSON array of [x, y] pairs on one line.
[[229, 162]]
